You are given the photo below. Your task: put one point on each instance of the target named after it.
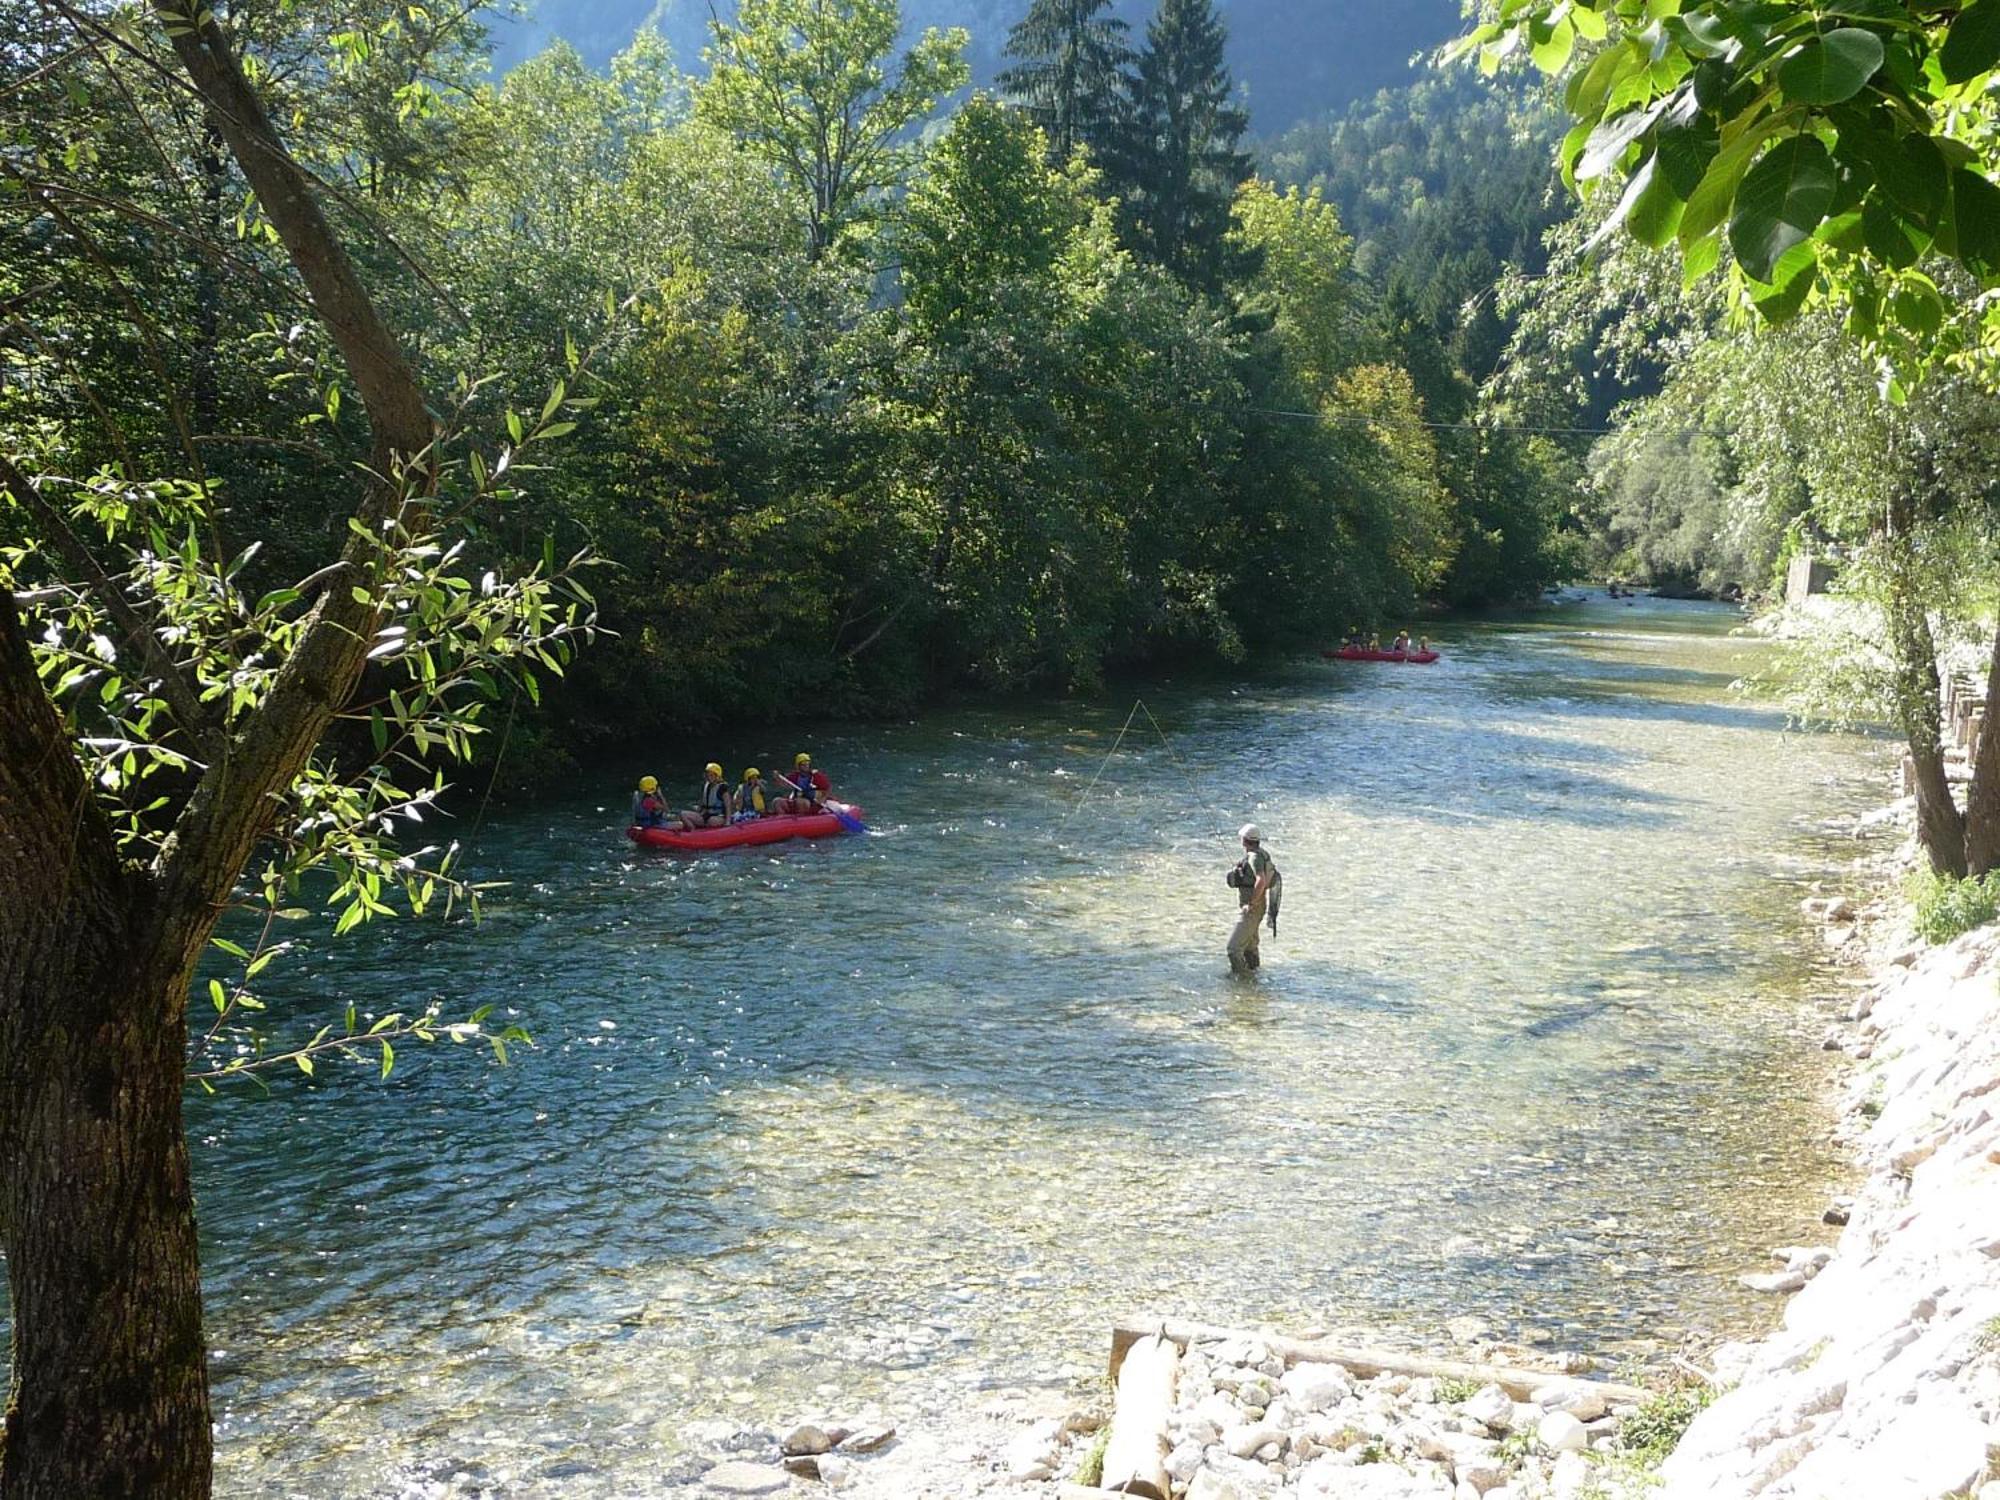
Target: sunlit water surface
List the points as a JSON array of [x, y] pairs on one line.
[[907, 1117]]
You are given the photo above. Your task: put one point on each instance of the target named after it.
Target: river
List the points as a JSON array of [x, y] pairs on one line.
[[908, 1117]]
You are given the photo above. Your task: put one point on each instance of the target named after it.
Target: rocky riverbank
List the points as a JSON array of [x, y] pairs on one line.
[[1884, 1381]]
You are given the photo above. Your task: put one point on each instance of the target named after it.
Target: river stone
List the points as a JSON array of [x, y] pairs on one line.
[[1245, 1440], [807, 1439], [739, 1478], [1580, 1402], [1314, 1388], [1559, 1432], [868, 1437], [1233, 1479], [835, 1471], [1775, 1281], [1490, 1406]]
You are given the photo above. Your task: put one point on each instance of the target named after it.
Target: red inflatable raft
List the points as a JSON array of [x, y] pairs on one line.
[[771, 830], [1361, 653]]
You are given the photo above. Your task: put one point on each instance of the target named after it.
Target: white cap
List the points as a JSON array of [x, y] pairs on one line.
[[1251, 834]]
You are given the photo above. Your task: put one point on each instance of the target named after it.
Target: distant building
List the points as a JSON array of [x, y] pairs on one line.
[[1809, 575]]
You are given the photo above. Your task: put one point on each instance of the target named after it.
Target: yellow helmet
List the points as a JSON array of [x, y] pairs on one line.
[[649, 783], [802, 759], [714, 769], [753, 774]]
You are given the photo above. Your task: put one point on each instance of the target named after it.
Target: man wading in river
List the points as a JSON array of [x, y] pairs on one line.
[[1259, 888]]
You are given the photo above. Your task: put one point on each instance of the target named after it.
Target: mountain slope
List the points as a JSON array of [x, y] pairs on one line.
[[1295, 58]]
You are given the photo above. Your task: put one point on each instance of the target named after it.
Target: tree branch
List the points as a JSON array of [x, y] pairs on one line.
[[195, 721]]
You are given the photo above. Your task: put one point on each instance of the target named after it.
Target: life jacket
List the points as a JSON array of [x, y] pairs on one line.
[[650, 811], [750, 800], [714, 799], [811, 784]]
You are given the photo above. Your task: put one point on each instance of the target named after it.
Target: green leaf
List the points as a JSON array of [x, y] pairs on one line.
[[1709, 204], [1791, 284], [1832, 67], [1612, 137], [305, 1064], [234, 950], [1975, 212], [388, 1057], [1973, 43], [1781, 202], [217, 996], [1890, 237], [1552, 54]]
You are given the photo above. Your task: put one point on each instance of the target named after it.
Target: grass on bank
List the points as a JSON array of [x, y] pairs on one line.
[[1947, 908]]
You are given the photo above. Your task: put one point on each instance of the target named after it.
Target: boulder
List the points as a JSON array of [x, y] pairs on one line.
[[1581, 1402], [836, 1472], [1560, 1432], [808, 1438], [1312, 1387], [1245, 1440], [1491, 1407]]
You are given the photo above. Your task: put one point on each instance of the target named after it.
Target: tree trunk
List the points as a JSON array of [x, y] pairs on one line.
[[1982, 800], [110, 1388], [109, 1378], [1940, 825]]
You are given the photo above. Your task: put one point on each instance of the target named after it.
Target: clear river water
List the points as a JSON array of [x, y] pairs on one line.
[[909, 1117]]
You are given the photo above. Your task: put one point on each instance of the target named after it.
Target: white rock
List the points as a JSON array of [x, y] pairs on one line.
[[1571, 1477], [867, 1437], [1184, 1460], [1232, 1479], [1580, 1401], [1559, 1432], [739, 1478], [835, 1472], [1774, 1281], [1314, 1388], [1490, 1406], [1244, 1441]]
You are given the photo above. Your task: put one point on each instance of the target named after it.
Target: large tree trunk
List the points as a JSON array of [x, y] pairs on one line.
[[110, 1387], [1982, 801], [109, 1394], [1940, 825]]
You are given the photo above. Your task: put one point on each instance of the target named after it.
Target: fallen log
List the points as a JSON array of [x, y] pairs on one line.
[[1365, 1364], [1135, 1456]]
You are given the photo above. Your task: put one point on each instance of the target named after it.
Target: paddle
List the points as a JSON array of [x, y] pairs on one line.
[[846, 819]]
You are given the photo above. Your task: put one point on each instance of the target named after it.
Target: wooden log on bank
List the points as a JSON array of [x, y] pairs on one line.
[[1135, 1455], [1365, 1364]]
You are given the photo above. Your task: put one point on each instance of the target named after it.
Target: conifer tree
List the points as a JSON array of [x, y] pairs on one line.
[[1070, 72], [1177, 166]]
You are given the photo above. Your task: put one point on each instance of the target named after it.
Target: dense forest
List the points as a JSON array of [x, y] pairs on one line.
[[1022, 405]]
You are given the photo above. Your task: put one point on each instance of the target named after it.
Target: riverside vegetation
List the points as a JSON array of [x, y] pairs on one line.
[[348, 394]]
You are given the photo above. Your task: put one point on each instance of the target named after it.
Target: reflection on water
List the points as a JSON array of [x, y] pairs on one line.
[[900, 1117]]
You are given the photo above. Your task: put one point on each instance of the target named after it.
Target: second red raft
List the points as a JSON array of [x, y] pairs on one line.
[[770, 830]]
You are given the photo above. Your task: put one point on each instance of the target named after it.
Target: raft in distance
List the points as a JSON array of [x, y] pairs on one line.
[[1362, 653], [767, 830]]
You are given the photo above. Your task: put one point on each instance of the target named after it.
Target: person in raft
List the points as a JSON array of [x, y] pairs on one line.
[[749, 796], [649, 808], [1258, 885], [715, 806], [808, 787], [1402, 642]]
